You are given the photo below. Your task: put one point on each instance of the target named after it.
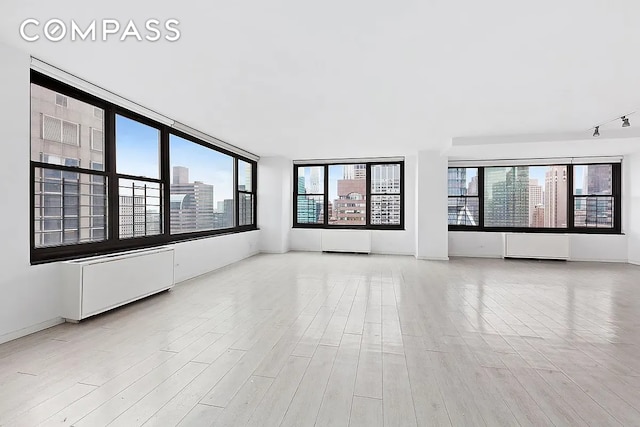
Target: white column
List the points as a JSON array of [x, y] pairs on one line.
[[431, 207], [631, 197], [274, 203]]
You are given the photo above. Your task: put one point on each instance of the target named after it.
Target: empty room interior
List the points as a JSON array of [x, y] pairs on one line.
[[320, 213]]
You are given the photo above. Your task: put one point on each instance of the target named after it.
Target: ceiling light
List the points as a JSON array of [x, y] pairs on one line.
[[625, 122], [597, 131]]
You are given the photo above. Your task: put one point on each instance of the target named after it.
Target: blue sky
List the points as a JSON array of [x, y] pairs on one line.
[[138, 154]]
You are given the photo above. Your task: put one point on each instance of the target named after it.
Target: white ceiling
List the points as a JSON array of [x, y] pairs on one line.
[[361, 78]]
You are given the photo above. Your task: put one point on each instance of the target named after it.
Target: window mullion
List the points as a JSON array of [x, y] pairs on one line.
[[571, 223], [326, 195], [165, 176], [110, 168], [368, 196]]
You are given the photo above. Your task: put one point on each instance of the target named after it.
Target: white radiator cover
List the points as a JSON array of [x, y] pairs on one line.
[[536, 245], [358, 241], [94, 285]]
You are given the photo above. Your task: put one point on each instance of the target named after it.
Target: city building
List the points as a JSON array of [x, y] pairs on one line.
[[68, 132], [555, 197], [536, 199], [537, 217], [192, 204], [507, 201], [350, 206], [309, 210], [136, 218], [385, 203]]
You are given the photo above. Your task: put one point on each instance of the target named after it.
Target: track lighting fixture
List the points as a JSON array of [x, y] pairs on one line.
[[625, 123]]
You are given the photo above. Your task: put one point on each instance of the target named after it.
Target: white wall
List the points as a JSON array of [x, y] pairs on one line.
[[394, 242], [476, 244], [431, 193], [632, 173], [582, 247], [275, 208], [197, 257], [30, 295], [30, 298]]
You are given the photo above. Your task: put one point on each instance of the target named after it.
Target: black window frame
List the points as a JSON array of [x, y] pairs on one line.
[[112, 243], [252, 192], [616, 193], [368, 226], [479, 196]]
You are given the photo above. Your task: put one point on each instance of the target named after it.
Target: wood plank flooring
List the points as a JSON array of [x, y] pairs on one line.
[[306, 339]]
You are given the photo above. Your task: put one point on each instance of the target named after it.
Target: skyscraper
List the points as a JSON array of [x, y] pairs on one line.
[[555, 197], [307, 207], [191, 203], [358, 171], [598, 210], [385, 201], [507, 196], [457, 178], [351, 206], [314, 181], [536, 198], [537, 218]]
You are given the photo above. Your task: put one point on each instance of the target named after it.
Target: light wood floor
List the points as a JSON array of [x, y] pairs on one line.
[[303, 339]]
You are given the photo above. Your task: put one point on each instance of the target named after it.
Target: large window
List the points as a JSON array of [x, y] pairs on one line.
[[594, 199], [106, 179], [386, 194], [202, 196], [140, 210], [464, 203], [246, 194], [560, 198], [349, 195], [309, 195]]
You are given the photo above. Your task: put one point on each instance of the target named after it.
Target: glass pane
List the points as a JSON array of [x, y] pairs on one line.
[[246, 209], [385, 179], [137, 148], [592, 180], [310, 209], [463, 181], [464, 211], [63, 132], [245, 176], [385, 210], [310, 180], [593, 212], [348, 194], [140, 208], [73, 206], [50, 239], [202, 193], [51, 224], [525, 196]]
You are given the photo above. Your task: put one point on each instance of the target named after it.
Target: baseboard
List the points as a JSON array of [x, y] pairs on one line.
[[487, 256], [393, 253], [274, 252], [632, 262], [30, 329], [305, 250], [426, 258], [598, 260], [184, 279]]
